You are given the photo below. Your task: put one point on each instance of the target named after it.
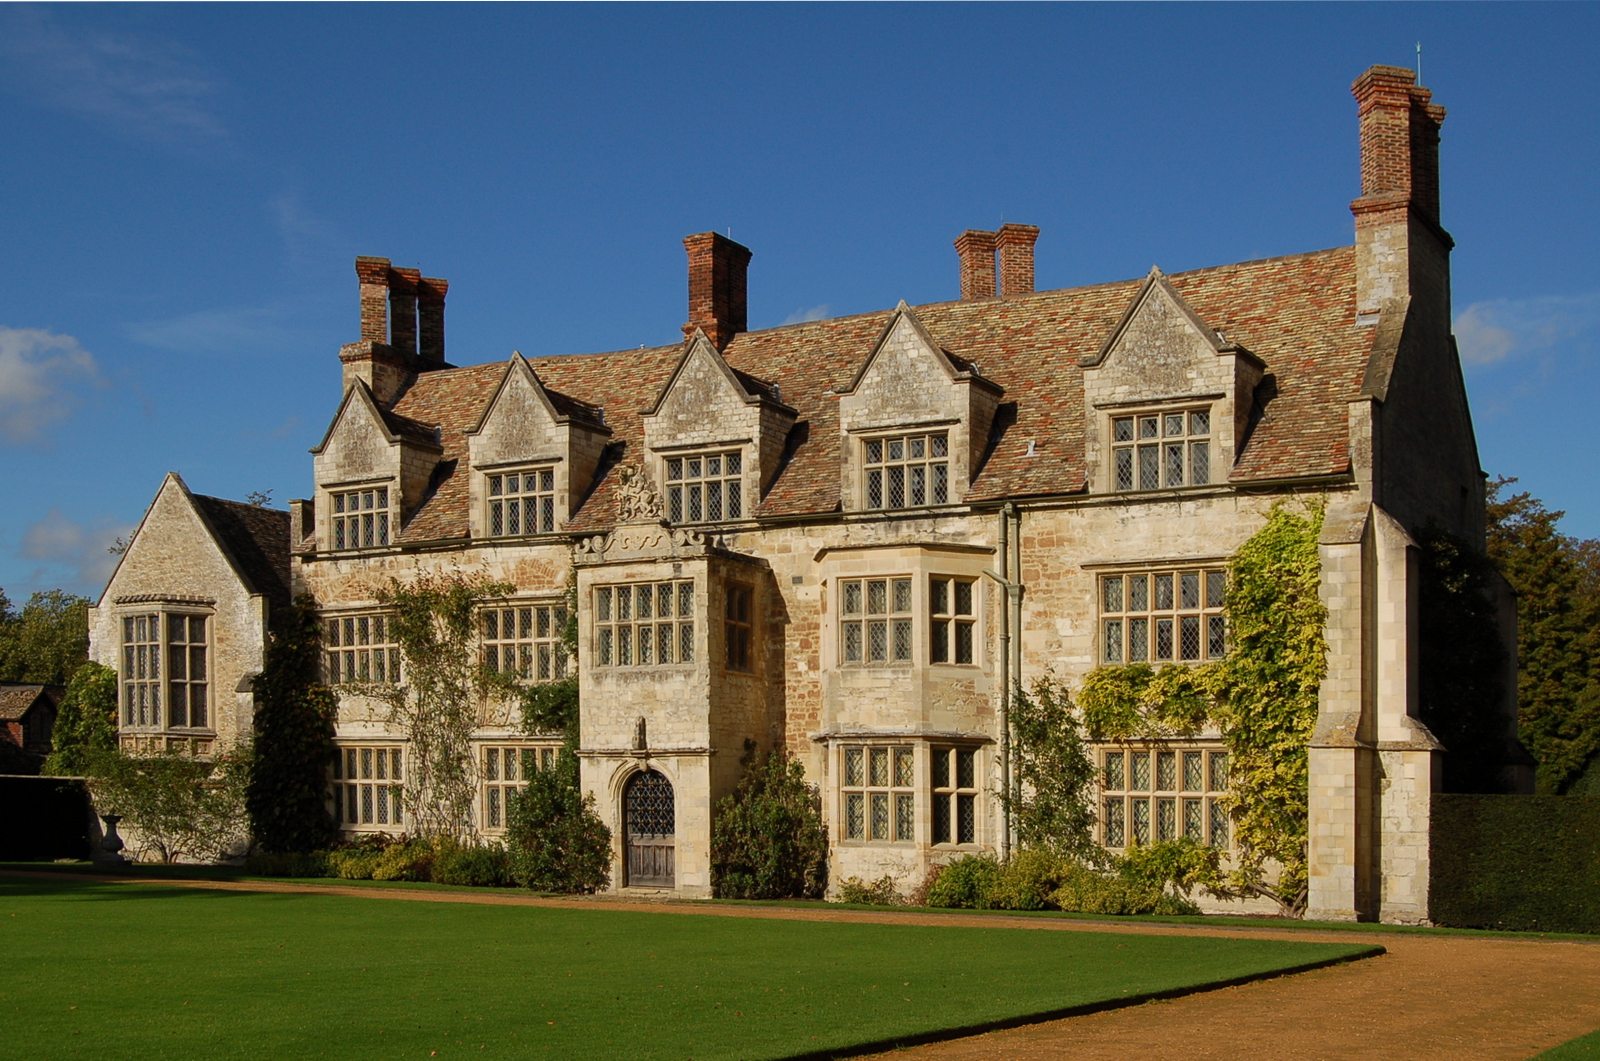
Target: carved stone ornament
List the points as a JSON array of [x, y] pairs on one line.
[[637, 499], [641, 740]]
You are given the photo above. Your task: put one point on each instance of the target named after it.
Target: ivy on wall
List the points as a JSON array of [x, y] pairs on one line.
[[1263, 697]]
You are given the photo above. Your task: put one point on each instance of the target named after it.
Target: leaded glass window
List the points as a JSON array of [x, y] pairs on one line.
[[141, 670], [526, 640], [505, 771], [522, 502], [878, 791], [955, 795], [952, 620], [361, 648], [644, 624], [367, 787], [165, 680], [906, 471], [187, 670], [1154, 451], [361, 518], [875, 621], [1163, 793], [1163, 616], [704, 488]]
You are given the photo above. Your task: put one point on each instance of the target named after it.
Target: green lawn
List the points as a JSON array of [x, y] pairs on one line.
[[1583, 1048], [148, 971]]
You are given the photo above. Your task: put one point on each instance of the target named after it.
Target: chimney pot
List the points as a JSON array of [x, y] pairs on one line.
[[1016, 258], [718, 287], [976, 250]]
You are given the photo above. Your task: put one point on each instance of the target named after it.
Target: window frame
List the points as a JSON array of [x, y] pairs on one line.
[[738, 627], [367, 779], [1197, 448], [951, 791], [340, 515], [860, 624], [897, 794], [678, 493], [496, 784], [1123, 622], [936, 469], [946, 625], [494, 494], [358, 649], [151, 671], [1117, 805], [611, 649], [545, 657]]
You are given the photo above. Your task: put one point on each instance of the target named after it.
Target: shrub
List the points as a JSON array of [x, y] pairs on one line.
[[354, 863], [966, 883], [86, 721], [1524, 863], [180, 807], [484, 866], [556, 842], [411, 860], [1029, 880], [1087, 891], [880, 892], [1182, 865], [919, 894], [768, 839]]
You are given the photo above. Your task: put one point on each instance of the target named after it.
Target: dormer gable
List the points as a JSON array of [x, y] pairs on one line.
[[1167, 397], [533, 454], [909, 387], [709, 415], [372, 457]]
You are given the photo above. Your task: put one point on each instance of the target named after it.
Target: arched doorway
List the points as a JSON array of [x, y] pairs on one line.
[[648, 817]]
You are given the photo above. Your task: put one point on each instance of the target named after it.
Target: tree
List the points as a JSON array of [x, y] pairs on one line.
[[294, 720], [434, 621], [177, 806], [1052, 779], [1461, 691], [556, 840], [47, 641], [767, 839], [86, 721], [1558, 633]]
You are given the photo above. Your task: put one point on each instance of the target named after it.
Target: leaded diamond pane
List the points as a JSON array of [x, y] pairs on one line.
[[1141, 822], [1219, 824], [1166, 771], [905, 816], [878, 761], [1138, 640], [880, 815], [1191, 636], [904, 770], [1193, 821], [1114, 771], [1114, 822], [854, 766], [1166, 819], [1140, 763], [855, 816], [1193, 772], [966, 819]]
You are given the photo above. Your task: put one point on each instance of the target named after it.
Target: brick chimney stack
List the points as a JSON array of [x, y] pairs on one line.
[[430, 318], [403, 310], [976, 250], [1016, 258], [373, 275], [718, 287], [1401, 250]]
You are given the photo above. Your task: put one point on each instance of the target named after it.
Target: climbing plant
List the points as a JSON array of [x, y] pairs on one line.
[[433, 618], [1262, 696], [86, 721], [294, 720], [1052, 775]]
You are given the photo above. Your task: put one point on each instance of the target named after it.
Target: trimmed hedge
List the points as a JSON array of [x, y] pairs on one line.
[[1523, 863], [46, 818]]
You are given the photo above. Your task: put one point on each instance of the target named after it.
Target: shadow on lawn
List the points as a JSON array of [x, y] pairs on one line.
[[90, 890]]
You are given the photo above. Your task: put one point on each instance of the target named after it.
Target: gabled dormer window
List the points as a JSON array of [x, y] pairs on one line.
[[360, 518], [704, 487], [907, 471], [522, 502], [1162, 449]]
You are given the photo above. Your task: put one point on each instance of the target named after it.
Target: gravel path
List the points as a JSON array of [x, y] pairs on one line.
[[1446, 997]]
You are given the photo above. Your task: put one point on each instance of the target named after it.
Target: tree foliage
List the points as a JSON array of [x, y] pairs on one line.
[[1462, 662], [768, 840], [179, 808], [557, 842], [1052, 780], [86, 721], [1557, 580], [434, 621], [294, 719], [47, 641]]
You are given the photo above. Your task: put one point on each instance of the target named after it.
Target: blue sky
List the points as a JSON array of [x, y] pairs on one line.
[[185, 188]]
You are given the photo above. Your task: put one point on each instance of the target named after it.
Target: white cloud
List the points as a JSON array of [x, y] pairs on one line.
[[139, 86], [801, 316], [1490, 332], [38, 373], [79, 550]]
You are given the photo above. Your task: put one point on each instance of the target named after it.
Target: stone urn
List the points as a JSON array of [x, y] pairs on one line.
[[112, 844]]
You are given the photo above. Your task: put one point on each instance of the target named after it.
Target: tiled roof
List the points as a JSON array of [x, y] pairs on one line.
[[1297, 314], [258, 540], [17, 697]]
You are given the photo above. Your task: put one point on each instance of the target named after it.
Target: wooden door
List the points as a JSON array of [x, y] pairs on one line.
[[649, 814]]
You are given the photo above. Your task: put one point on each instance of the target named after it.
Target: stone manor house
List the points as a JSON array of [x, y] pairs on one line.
[[844, 538]]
